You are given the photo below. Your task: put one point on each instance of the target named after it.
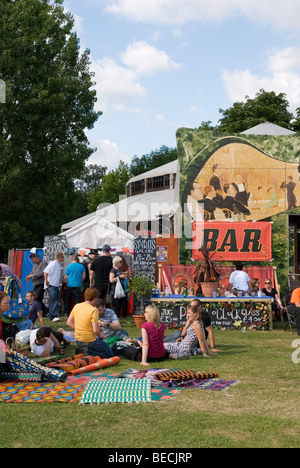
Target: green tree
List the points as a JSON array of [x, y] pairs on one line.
[[49, 104], [112, 187], [91, 178], [156, 158], [265, 107], [296, 121]]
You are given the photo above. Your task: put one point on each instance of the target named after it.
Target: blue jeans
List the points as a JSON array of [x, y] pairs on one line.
[[97, 348], [54, 301], [173, 336]]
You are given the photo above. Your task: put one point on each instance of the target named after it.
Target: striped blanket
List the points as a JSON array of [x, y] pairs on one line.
[[117, 391], [183, 375]]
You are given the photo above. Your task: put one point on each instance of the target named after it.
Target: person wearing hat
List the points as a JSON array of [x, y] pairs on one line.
[[37, 277], [87, 261], [99, 272]]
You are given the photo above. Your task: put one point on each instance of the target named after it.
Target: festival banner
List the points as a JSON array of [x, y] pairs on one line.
[[231, 241]]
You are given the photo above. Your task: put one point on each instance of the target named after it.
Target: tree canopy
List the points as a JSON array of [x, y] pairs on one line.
[[265, 107], [49, 104]]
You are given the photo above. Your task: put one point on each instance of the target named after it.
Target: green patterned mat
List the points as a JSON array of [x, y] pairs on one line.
[[117, 391]]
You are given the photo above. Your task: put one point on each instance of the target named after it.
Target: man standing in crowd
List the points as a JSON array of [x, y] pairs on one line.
[[87, 261], [37, 277], [74, 276], [52, 275], [99, 272]]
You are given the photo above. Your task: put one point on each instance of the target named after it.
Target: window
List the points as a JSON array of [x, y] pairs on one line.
[[158, 183]]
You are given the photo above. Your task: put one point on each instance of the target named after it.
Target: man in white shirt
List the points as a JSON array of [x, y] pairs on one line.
[[239, 281], [52, 275]]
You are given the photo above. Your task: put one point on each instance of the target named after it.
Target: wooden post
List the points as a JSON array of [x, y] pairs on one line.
[[276, 284]]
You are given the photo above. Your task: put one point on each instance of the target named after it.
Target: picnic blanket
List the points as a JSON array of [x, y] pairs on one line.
[[21, 364], [73, 364], [33, 392], [209, 384], [117, 391], [51, 361], [182, 375], [21, 377], [100, 364]]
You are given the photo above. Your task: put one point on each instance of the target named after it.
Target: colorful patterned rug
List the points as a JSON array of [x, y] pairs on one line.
[[33, 392], [72, 390], [209, 384], [117, 391]]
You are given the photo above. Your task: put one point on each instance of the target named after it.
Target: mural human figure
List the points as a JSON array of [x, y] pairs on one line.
[[273, 198], [216, 183], [242, 194], [231, 203], [291, 198], [208, 202], [195, 195], [215, 179]]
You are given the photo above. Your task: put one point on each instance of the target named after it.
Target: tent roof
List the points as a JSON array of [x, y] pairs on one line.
[[169, 168], [144, 207], [96, 232], [267, 128]]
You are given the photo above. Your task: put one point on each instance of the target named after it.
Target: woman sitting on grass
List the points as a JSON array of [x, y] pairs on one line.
[[153, 337], [192, 334], [151, 348]]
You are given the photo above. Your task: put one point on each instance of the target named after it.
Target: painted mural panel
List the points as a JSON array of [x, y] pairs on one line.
[[237, 179]]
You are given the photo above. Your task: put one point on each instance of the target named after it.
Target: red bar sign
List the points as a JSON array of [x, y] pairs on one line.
[[232, 241]]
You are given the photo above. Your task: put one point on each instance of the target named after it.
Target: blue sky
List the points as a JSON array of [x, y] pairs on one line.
[[163, 64]]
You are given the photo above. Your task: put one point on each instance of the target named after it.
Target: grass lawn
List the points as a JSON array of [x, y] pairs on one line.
[[262, 410]]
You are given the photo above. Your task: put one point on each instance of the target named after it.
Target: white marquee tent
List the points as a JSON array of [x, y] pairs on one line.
[[95, 232]]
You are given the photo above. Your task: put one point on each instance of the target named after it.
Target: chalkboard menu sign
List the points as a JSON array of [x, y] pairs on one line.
[[144, 263], [144, 260], [52, 245], [235, 318], [173, 315]]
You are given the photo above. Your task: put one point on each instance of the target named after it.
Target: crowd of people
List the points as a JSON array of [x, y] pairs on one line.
[[97, 327], [241, 284]]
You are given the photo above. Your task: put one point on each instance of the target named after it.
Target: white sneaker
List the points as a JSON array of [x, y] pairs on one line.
[[56, 319]]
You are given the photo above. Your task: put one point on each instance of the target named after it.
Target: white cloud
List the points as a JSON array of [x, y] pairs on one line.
[[119, 86], [282, 15], [116, 85], [107, 154], [145, 59], [282, 75]]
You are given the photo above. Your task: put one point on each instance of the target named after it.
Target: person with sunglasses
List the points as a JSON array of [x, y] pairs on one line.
[[268, 290]]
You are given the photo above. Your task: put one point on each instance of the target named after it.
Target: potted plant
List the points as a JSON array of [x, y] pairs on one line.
[[142, 287], [206, 272]]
